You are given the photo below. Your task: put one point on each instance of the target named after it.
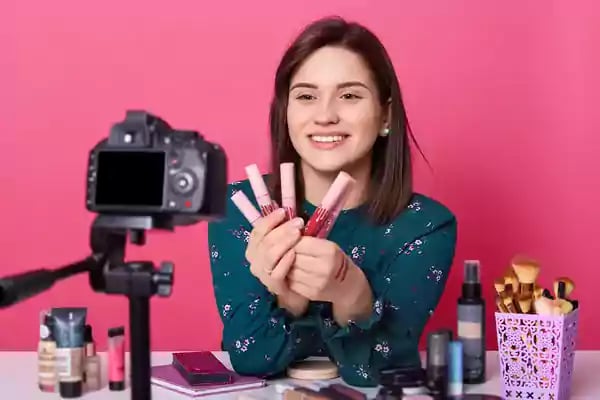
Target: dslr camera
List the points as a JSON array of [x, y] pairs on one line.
[[147, 168]]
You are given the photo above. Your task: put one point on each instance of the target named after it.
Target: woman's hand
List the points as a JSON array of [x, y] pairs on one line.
[[323, 272], [271, 254]]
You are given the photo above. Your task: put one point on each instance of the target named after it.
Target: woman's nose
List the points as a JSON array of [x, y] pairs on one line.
[[327, 113]]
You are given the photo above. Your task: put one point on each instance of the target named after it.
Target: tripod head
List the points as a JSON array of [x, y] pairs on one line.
[[144, 176]]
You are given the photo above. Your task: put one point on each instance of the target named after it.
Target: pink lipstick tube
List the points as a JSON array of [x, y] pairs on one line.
[[261, 193], [331, 205], [246, 207], [288, 189]]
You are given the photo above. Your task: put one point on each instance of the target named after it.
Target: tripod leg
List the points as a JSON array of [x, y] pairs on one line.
[[139, 328]]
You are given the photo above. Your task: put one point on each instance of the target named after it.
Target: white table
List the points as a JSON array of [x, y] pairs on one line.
[[18, 379]]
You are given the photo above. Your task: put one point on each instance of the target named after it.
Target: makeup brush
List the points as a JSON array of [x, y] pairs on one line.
[[509, 303], [500, 305], [525, 303], [544, 306], [527, 271], [563, 287], [565, 306], [511, 284], [499, 286]]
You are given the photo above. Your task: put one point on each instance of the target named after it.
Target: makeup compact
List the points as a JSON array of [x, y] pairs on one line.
[[201, 368], [313, 370]]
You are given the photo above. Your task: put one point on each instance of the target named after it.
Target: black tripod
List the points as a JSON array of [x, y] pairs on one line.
[[108, 273]]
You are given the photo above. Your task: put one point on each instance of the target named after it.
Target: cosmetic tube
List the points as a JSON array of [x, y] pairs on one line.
[[46, 354], [92, 362], [325, 215], [69, 331], [243, 203], [261, 192], [455, 370], [288, 190], [116, 358], [437, 363]]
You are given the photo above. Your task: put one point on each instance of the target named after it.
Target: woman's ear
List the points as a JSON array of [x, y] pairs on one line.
[[387, 119]]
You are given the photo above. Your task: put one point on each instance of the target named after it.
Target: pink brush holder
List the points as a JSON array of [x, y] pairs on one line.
[[536, 355]]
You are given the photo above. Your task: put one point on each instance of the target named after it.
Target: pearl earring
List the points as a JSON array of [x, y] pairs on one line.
[[385, 132]]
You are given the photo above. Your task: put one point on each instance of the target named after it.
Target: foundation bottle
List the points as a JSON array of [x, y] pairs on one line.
[[91, 364], [47, 377]]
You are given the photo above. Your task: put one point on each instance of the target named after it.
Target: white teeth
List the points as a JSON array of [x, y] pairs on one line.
[[327, 139]]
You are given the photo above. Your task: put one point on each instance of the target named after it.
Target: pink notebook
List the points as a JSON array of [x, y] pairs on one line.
[[168, 377]]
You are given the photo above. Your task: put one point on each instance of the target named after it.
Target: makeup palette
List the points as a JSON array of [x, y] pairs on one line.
[[518, 292], [323, 219]]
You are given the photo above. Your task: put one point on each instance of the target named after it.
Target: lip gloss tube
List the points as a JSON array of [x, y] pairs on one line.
[[288, 190], [245, 206], [335, 212], [116, 358], [326, 213], [261, 193]]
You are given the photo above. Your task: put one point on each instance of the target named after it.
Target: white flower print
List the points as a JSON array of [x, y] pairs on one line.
[[358, 252], [434, 274], [378, 306], [253, 305], [415, 246], [214, 252], [363, 371], [226, 310], [241, 233], [241, 345], [383, 348], [388, 230], [387, 278], [415, 206]]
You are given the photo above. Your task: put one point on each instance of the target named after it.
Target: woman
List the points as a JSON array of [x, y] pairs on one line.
[[337, 106]]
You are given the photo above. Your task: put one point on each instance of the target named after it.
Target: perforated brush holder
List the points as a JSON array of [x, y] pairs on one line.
[[536, 354]]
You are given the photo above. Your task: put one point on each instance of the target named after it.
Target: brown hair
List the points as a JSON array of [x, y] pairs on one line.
[[391, 185]]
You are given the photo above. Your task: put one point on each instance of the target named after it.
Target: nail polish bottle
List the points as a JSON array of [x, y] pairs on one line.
[[47, 377], [92, 362]]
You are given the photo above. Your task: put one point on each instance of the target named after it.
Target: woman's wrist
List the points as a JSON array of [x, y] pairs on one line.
[[293, 303], [355, 302]]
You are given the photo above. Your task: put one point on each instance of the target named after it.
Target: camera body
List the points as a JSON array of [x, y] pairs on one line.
[[147, 168]]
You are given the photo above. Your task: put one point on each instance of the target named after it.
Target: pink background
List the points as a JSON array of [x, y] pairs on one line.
[[500, 97]]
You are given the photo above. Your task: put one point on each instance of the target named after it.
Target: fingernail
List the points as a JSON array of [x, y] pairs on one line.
[[298, 222]]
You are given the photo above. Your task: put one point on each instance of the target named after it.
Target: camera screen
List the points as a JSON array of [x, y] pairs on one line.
[[130, 178]]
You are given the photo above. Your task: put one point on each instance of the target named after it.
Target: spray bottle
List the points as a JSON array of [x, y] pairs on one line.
[[471, 324]]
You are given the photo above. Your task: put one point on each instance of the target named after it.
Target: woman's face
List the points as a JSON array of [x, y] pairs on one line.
[[334, 114]]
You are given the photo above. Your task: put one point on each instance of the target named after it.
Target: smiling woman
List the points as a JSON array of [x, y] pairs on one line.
[[337, 107]]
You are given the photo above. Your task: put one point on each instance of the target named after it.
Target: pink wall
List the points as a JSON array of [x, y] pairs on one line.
[[499, 97]]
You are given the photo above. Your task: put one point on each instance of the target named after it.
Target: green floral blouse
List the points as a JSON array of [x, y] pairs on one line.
[[407, 263]]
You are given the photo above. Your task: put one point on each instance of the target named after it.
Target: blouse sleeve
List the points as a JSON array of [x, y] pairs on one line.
[[258, 335], [406, 292]]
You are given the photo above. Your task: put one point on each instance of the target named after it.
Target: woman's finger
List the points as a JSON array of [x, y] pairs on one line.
[[302, 289], [282, 268], [307, 263], [300, 275], [266, 224]]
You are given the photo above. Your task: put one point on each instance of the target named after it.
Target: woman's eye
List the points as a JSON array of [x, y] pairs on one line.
[[350, 96], [304, 97]]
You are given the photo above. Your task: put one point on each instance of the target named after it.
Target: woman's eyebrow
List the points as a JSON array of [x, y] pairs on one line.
[[341, 85]]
